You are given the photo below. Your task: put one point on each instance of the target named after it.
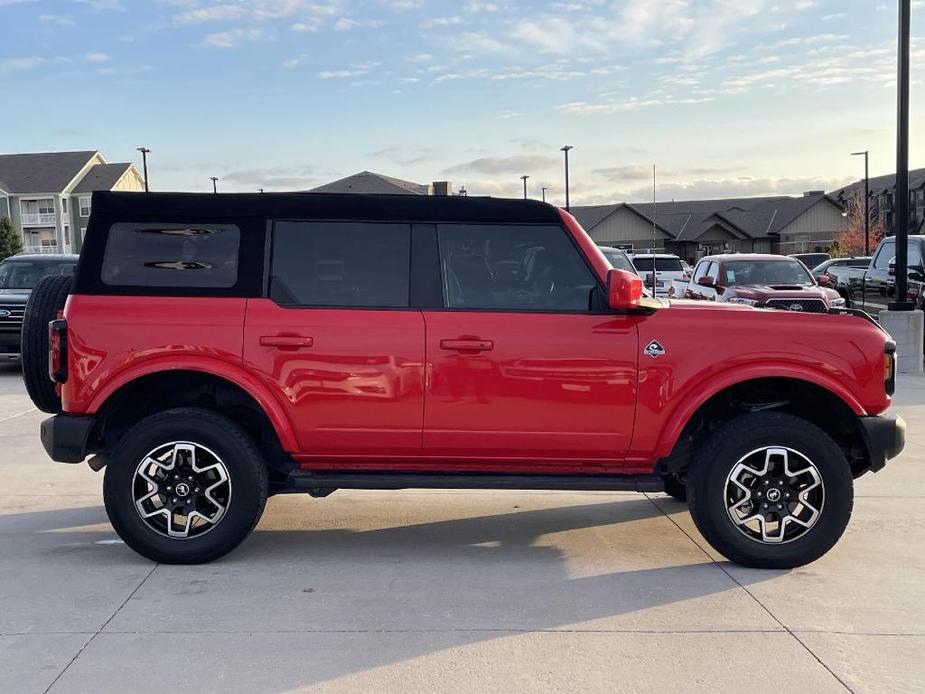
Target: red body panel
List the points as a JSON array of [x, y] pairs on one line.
[[465, 390], [356, 390], [547, 387]]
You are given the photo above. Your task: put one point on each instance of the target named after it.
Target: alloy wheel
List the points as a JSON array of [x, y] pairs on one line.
[[774, 495], [181, 489]]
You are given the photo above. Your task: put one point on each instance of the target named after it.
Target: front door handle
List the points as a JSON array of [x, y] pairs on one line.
[[286, 341], [471, 345]]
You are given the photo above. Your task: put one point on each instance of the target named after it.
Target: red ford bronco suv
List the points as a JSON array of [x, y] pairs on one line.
[[215, 350]]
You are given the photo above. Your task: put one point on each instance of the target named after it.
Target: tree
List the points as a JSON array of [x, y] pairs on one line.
[[10, 241], [850, 239]]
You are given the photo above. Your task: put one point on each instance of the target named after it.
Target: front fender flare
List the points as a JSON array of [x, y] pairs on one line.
[[709, 386]]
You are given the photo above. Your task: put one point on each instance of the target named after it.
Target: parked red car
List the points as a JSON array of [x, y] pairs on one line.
[[215, 350], [769, 281]]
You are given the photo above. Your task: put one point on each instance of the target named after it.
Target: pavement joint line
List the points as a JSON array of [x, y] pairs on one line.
[[17, 414], [474, 630], [98, 631], [752, 596]]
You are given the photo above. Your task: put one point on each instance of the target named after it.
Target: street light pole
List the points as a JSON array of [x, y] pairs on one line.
[[524, 179], [902, 162], [566, 149], [544, 193], [214, 180], [144, 163], [866, 202]]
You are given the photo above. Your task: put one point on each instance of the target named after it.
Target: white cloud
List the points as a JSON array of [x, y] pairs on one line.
[[96, 57], [523, 163], [233, 37], [55, 19]]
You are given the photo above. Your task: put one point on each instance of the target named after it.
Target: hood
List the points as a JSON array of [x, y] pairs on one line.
[[14, 296]]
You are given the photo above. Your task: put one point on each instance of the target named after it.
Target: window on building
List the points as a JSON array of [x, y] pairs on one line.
[[64, 205], [84, 203], [171, 255], [349, 264], [513, 268]]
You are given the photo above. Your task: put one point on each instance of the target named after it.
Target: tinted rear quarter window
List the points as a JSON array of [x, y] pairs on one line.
[[341, 264], [172, 255]]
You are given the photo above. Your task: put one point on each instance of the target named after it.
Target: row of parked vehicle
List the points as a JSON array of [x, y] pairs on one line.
[[777, 281], [753, 279]]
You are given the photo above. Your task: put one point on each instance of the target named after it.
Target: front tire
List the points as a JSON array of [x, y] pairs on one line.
[[185, 486], [770, 490]]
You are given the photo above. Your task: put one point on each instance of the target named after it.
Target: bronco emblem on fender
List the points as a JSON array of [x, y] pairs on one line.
[[654, 349]]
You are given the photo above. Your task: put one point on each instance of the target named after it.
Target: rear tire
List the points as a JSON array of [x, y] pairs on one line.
[[185, 486], [727, 495], [46, 300]]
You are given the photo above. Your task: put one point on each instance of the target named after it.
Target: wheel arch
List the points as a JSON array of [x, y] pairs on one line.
[[817, 399], [194, 381]]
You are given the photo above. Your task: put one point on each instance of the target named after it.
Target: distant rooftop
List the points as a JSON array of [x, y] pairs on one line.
[[45, 172], [687, 220], [371, 183]]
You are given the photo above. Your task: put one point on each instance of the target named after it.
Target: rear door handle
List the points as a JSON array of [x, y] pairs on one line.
[[286, 341], [467, 345]]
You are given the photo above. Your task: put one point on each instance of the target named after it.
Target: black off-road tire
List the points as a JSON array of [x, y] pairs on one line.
[[719, 454], [246, 472], [46, 300], [675, 487]]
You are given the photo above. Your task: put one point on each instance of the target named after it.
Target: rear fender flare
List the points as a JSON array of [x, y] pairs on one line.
[[221, 369]]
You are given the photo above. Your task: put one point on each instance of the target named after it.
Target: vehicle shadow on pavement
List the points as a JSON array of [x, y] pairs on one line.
[[329, 596]]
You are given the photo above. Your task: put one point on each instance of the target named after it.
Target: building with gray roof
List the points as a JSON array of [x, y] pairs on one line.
[[48, 195], [694, 228]]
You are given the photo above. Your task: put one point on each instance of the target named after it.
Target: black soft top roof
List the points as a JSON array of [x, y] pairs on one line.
[[333, 206]]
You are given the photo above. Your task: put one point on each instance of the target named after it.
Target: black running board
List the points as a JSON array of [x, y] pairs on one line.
[[324, 481]]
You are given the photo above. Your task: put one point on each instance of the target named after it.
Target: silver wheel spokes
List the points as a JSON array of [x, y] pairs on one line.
[[181, 489], [774, 494]]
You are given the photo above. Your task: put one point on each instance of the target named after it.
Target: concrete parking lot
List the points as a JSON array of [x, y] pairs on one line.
[[453, 592]]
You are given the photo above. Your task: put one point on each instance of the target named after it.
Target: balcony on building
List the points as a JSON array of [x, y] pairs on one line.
[[38, 213]]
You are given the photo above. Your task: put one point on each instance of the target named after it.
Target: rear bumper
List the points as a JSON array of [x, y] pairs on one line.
[[885, 437], [65, 437]]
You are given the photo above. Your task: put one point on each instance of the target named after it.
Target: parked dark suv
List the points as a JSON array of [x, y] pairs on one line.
[[215, 350], [18, 276]]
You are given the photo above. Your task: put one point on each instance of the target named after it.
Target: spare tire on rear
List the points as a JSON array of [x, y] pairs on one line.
[[46, 300]]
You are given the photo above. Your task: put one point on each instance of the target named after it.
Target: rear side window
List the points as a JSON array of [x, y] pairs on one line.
[[513, 268], [346, 264], [885, 254], [172, 255], [661, 264]]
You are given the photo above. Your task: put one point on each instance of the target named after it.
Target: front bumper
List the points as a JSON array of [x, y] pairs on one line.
[[885, 438], [65, 437]]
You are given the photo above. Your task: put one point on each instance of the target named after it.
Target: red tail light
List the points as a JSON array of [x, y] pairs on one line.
[[57, 350]]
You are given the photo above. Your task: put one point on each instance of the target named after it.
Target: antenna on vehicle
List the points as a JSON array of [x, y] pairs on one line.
[[654, 237]]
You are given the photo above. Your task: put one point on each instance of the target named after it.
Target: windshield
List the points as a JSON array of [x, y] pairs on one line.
[[619, 260], [25, 274], [661, 264], [771, 272]]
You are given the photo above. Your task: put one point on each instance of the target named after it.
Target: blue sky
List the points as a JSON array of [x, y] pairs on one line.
[[729, 97]]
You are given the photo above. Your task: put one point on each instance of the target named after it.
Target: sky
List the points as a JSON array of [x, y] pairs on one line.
[[725, 97]]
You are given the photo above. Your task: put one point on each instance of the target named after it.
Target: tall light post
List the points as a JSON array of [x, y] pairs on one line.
[[544, 193], [524, 179], [214, 180], [902, 162], [566, 149], [866, 202], [144, 163]]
